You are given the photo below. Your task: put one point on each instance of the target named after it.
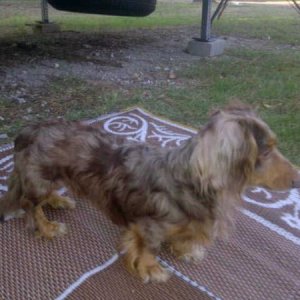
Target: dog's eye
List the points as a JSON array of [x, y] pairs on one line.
[[263, 155], [266, 152]]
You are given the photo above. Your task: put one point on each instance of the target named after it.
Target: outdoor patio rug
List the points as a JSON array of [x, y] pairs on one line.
[[261, 260]]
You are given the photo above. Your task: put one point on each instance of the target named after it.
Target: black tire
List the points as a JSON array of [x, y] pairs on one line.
[[138, 8]]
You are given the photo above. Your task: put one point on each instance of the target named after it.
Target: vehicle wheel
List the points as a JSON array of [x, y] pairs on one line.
[[139, 8]]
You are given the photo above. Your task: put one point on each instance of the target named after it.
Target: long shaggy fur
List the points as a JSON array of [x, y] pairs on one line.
[[184, 196]]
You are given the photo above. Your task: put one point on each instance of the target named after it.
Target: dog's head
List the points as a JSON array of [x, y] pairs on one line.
[[240, 150], [274, 171]]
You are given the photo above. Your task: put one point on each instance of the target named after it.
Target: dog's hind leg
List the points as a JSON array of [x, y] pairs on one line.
[[38, 192], [139, 259], [46, 228], [10, 203], [57, 201]]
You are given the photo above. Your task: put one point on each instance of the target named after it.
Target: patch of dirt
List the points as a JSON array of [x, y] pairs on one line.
[[140, 57]]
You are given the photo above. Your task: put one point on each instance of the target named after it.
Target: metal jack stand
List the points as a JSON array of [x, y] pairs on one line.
[[205, 45], [45, 15], [45, 26]]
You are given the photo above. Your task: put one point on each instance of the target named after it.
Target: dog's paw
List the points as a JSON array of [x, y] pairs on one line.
[[146, 267], [51, 230], [61, 229], [153, 273], [196, 255], [20, 213], [61, 202]]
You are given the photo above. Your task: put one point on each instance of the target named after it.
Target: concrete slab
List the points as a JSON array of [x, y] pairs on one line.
[[204, 49], [40, 27]]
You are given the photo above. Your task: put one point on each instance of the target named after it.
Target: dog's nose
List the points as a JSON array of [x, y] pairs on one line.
[[296, 183]]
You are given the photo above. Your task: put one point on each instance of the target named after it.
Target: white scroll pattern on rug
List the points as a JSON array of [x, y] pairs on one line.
[[137, 128], [132, 126], [165, 136], [292, 202]]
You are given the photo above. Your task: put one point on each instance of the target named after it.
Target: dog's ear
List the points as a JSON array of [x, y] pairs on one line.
[[264, 138], [226, 153], [240, 140]]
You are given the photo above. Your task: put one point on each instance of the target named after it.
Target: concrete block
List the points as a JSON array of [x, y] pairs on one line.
[[40, 27], [204, 49]]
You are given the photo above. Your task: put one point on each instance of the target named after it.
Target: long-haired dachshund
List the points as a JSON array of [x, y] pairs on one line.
[[184, 196]]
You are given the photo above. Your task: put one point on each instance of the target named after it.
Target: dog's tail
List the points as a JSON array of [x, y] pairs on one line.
[[10, 201]]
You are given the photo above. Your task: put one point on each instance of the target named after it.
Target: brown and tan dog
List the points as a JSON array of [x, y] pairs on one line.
[[184, 196]]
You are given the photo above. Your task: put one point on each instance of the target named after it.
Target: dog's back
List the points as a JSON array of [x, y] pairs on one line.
[[28, 135], [49, 153]]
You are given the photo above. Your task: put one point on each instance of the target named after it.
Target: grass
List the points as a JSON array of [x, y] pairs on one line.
[[268, 79], [280, 24], [264, 79]]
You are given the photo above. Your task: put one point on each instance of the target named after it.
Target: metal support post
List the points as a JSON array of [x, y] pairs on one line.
[[206, 21], [44, 8], [206, 46]]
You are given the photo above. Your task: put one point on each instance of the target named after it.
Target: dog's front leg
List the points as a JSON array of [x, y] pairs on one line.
[[188, 250], [139, 259], [188, 242]]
